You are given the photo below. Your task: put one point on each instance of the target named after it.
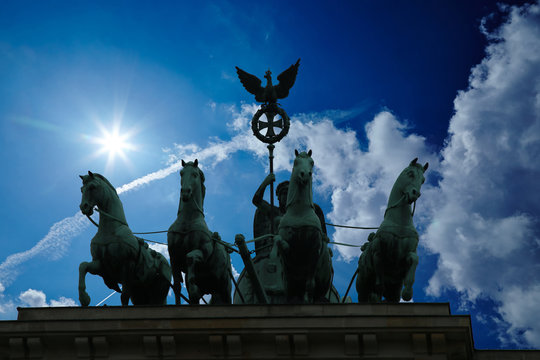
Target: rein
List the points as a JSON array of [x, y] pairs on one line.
[[197, 207], [110, 216], [230, 246], [226, 244], [395, 205]]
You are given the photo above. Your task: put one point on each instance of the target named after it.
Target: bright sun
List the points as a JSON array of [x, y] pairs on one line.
[[114, 143]]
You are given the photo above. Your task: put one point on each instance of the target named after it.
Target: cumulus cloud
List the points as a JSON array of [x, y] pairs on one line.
[[358, 182], [6, 307], [160, 248], [485, 212], [33, 298], [37, 298], [481, 218], [358, 179]]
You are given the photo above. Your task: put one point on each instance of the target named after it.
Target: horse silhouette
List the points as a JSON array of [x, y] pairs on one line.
[[388, 262], [193, 249], [301, 240], [117, 255]]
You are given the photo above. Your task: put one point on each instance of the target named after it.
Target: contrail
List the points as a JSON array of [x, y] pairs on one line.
[[156, 175], [59, 235], [56, 240]]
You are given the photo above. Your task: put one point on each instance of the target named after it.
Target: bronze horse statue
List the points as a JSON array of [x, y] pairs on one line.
[[301, 240], [388, 262], [117, 255], [193, 249]]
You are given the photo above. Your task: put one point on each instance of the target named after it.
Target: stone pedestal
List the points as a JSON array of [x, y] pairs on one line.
[[330, 331]]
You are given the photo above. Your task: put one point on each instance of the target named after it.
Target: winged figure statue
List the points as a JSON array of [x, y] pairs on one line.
[[270, 93]]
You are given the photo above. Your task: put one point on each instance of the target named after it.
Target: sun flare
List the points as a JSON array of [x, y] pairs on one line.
[[113, 143]]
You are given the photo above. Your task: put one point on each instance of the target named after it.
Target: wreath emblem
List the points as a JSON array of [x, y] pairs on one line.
[[271, 136]]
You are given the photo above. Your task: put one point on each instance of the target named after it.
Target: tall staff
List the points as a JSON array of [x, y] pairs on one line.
[[270, 108]]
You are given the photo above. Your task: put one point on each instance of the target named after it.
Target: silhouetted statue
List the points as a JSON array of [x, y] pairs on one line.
[[268, 262], [388, 262], [302, 241], [193, 248], [270, 93], [262, 218], [265, 212], [117, 255]]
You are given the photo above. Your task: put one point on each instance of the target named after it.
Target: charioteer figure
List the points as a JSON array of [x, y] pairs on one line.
[[266, 211]]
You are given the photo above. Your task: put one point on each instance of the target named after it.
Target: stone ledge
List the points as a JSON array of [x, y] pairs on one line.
[[231, 311], [329, 331]]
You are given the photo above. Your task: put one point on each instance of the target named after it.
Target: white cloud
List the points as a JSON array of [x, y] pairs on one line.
[[359, 182], [6, 307], [483, 218], [485, 213], [315, 131], [160, 248], [33, 298], [520, 305], [63, 301], [235, 273], [37, 298]]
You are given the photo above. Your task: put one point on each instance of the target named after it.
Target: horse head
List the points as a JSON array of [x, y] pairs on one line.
[[192, 182], [302, 168], [93, 192], [411, 179], [301, 178]]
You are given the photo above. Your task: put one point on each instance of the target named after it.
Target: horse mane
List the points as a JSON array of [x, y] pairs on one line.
[[104, 179]]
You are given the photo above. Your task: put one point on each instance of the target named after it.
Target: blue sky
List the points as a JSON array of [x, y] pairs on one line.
[[453, 83]]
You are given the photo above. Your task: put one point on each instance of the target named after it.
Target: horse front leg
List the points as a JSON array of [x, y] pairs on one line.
[[193, 259], [176, 275], [177, 283], [93, 268], [125, 295], [412, 262]]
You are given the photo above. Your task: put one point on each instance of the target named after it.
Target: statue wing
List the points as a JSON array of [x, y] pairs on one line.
[[252, 84], [286, 80]]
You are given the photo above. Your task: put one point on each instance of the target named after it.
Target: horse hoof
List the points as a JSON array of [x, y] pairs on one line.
[[84, 299], [194, 294], [406, 294]]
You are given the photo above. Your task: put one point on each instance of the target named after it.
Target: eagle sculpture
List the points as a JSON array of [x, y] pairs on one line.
[[270, 93]]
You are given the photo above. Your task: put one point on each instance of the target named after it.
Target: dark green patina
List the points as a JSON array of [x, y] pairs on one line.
[[193, 248], [300, 268], [117, 255], [292, 263], [388, 262]]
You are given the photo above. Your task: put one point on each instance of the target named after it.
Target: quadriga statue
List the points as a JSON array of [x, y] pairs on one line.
[[117, 255], [388, 262], [193, 248]]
